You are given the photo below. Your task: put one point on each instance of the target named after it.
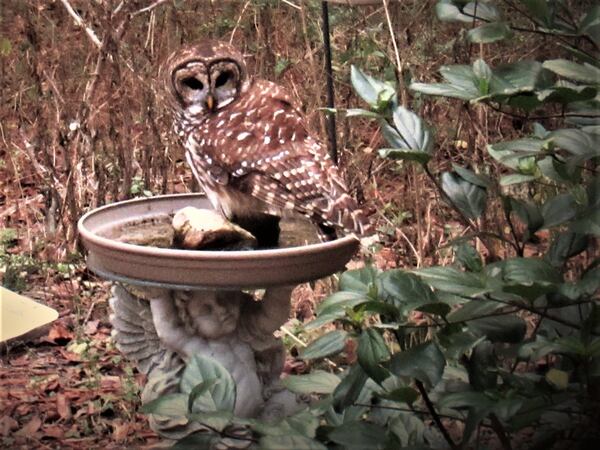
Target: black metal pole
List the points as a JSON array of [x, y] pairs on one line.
[[330, 94]]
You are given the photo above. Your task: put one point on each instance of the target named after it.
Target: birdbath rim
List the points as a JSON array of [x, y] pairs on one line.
[[199, 269]]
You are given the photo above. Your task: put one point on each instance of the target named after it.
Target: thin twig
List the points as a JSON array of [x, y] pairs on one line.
[[396, 52], [434, 415], [80, 23]]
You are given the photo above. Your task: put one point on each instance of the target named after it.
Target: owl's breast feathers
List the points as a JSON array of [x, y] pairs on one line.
[[259, 149]]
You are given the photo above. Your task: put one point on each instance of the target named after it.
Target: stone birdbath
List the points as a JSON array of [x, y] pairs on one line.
[[170, 305]]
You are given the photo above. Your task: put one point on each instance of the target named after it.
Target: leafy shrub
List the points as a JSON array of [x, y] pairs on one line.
[[451, 343]]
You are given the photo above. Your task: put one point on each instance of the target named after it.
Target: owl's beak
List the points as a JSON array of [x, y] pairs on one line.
[[210, 102]]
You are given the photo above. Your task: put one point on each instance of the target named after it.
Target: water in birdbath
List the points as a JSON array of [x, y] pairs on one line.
[[193, 228]]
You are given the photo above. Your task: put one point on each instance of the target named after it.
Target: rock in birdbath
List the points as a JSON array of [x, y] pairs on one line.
[[197, 229]]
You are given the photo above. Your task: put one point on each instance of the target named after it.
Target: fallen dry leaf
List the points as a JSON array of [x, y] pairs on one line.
[[63, 406], [91, 327], [7, 424], [55, 431], [120, 431], [58, 334], [30, 427]]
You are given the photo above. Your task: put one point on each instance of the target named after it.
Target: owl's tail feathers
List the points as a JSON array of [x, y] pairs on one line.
[[347, 215]]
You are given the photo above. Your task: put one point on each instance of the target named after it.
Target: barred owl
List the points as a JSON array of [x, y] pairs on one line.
[[248, 146]]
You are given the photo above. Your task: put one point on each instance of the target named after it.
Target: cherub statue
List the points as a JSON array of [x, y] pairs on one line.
[[162, 329]]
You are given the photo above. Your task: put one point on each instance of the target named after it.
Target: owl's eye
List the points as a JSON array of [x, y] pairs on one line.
[[193, 83], [222, 79]]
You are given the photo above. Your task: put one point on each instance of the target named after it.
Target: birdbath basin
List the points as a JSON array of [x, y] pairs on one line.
[[172, 308]]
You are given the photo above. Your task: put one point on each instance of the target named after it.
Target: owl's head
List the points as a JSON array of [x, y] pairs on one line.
[[205, 77]]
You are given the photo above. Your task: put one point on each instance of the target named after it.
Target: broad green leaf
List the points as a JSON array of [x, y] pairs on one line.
[[516, 178], [404, 155], [558, 210], [590, 24], [203, 439], [324, 319], [360, 436], [468, 197], [468, 257], [289, 442], [529, 213], [447, 12], [509, 153], [341, 300], [219, 396], [478, 179], [539, 10], [446, 90], [328, 344], [490, 32], [519, 77], [406, 290], [482, 10], [217, 420], [316, 382], [466, 399], [450, 279], [508, 328], [200, 389], [350, 388], [413, 130], [584, 73], [472, 310], [359, 280], [558, 378], [372, 351], [376, 93], [566, 92], [168, 405], [577, 142], [402, 395], [565, 246], [425, 362]]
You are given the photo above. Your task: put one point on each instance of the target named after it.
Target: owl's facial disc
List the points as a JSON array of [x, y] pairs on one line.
[[192, 86], [225, 82]]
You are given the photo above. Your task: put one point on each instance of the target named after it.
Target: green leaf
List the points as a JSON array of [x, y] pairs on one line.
[[360, 436], [565, 246], [404, 155], [468, 257], [328, 344], [289, 442], [372, 351], [558, 378], [324, 319], [376, 93], [359, 112], [406, 290], [168, 405], [316, 382], [481, 10], [402, 395], [447, 12], [509, 153], [348, 391], [413, 130], [468, 197], [585, 73], [473, 309], [529, 213], [466, 399], [218, 396], [203, 439], [539, 10], [342, 300], [425, 362], [577, 142], [358, 280], [477, 179], [490, 32], [516, 178], [461, 83], [217, 420], [558, 210], [449, 279], [200, 389], [510, 328]]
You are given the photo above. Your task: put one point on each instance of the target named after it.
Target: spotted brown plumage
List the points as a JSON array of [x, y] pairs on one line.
[[247, 143]]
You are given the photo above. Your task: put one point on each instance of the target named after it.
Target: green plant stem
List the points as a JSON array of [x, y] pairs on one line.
[[434, 415]]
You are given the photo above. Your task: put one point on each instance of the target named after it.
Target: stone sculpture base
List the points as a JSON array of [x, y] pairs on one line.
[[159, 330]]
